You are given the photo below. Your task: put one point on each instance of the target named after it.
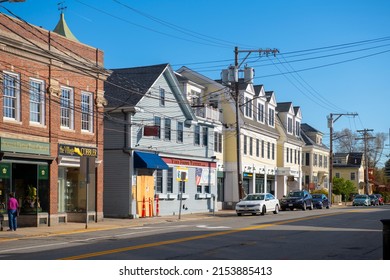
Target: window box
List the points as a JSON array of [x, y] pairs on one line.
[[171, 196], [183, 196], [200, 196], [208, 195], [162, 196]]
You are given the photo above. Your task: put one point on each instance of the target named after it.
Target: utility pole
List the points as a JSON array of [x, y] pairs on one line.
[[331, 121], [232, 78], [365, 138]]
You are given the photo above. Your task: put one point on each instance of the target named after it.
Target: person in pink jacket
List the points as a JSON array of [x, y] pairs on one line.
[[13, 206]]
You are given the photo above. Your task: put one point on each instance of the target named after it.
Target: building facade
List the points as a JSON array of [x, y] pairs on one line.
[[290, 143], [159, 155], [50, 122], [315, 159], [350, 166], [205, 96]]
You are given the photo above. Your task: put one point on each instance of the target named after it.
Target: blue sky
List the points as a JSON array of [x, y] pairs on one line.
[[334, 55]]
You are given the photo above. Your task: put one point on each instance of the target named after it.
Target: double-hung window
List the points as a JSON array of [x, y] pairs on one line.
[[180, 133], [162, 97], [260, 112], [159, 181], [251, 146], [86, 112], [297, 128], [205, 136], [170, 180], [66, 103], [11, 96], [167, 129], [37, 101], [289, 125], [217, 142], [248, 107], [197, 135], [268, 150], [157, 123], [271, 117]]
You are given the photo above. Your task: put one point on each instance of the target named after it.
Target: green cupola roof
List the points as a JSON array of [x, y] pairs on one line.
[[63, 29]]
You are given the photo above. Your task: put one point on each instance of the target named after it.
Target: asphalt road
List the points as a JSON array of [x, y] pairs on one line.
[[348, 233]]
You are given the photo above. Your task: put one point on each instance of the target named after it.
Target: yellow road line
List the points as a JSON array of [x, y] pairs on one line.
[[191, 238]]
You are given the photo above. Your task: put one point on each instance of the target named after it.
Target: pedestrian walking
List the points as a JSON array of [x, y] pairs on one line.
[[13, 206]]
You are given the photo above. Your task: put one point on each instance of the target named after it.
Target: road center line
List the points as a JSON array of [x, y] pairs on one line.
[[191, 238]]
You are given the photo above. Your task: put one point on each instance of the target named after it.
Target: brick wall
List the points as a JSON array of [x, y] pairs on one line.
[[33, 52]]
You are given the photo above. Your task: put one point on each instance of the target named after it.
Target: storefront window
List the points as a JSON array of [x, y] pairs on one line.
[[259, 184], [72, 191], [31, 189], [4, 190]]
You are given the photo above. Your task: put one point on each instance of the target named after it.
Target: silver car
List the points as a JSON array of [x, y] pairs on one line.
[[361, 200], [257, 203]]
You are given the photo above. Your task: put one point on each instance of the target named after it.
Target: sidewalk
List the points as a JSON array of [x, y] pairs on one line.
[[106, 224]]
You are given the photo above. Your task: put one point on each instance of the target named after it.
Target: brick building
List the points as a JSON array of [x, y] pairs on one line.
[[51, 123]]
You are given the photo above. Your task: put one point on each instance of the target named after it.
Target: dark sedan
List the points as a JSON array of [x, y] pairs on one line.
[[374, 200], [297, 199], [320, 201]]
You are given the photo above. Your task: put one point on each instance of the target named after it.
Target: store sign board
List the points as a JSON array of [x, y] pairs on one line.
[[24, 146], [76, 151], [182, 174]]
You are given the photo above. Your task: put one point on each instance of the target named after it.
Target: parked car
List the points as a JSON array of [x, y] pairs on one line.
[[297, 199], [380, 199], [361, 200], [374, 200], [258, 203], [320, 201]]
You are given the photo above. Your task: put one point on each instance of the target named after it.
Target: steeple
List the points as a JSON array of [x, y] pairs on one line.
[[62, 28]]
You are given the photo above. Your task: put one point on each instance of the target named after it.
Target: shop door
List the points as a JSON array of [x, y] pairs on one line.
[[145, 195]]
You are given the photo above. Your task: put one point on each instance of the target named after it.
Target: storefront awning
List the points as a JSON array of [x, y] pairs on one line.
[[149, 160]]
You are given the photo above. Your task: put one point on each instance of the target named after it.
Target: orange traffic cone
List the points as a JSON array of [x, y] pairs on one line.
[[150, 207], [157, 207], [143, 214]]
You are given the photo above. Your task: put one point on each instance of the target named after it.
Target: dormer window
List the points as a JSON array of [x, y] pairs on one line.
[[260, 112], [289, 125], [271, 117], [248, 107], [297, 128]]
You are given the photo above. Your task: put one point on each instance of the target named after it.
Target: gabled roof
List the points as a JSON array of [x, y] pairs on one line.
[[271, 97], [259, 90], [63, 29], [126, 86], [352, 159], [307, 128], [284, 107], [297, 111]]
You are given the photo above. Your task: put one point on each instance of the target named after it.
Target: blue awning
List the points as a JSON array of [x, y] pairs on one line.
[[149, 160]]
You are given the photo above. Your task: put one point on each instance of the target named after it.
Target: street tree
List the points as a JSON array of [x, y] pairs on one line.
[[343, 187]]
